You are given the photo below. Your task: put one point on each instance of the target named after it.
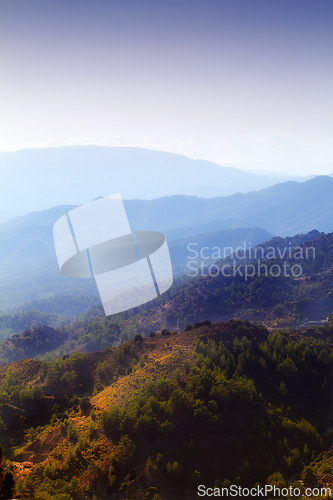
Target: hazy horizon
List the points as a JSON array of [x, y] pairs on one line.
[[305, 169], [243, 84], [40, 179]]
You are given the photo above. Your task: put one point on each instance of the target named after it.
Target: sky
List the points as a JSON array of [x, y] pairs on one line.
[[245, 83]]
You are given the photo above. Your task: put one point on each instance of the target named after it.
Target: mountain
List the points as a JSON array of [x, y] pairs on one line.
[[243, 292], [29, 268], [283, 209], [207, 245], [217, 405], [275, 300], [37, 179], [27, 258]]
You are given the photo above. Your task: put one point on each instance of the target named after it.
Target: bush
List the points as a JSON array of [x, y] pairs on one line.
[[206, 322], [111, 422], [37, 392], [7, 482], [112, 478], [138, 338], [74, 401], [309, 477], [277, 480], [126, 445], [72, 433], [85, 404], [174, 471], [147, 426]]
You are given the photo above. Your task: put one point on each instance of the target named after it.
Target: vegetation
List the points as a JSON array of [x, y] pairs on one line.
[[12, 323], [274, 301], [6, 479], [217, 404], [96, 415]]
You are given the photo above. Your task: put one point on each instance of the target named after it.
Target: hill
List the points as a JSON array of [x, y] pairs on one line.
[[27, 258], [219, 404], [251, 289], [283, 300], [32, 342], [30, 272], [37, 179], [12, 323], [283, 209]]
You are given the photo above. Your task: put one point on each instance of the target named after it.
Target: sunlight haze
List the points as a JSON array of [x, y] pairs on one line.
[[239, 83]]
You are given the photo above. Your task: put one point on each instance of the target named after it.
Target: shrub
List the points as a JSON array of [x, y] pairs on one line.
[[74, 400], [174, 470], [309, 477], [111, 421], [85, 404], [112, 478], [126, 445], [147, 426], [277, 480], [37, 392], [72, 433]]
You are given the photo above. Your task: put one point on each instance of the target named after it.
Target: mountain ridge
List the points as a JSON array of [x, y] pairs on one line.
[[26, 243], [77, 174]]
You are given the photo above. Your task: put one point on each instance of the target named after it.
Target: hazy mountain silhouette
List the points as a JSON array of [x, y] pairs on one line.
[[27, 256], [36, 179], [284, 209]]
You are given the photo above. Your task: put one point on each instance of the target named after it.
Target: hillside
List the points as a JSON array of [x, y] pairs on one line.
[[274, 301], [284, 300], [36, 340], [155, 418]]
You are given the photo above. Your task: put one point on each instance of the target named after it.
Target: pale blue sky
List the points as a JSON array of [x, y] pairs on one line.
[[238, 82]]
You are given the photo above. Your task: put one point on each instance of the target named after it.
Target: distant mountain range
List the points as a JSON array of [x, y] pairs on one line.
[[29, 268], [37, 179], [27, 259], [283, 209]]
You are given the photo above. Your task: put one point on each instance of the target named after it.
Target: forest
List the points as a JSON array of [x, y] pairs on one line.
[[156, 416]]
